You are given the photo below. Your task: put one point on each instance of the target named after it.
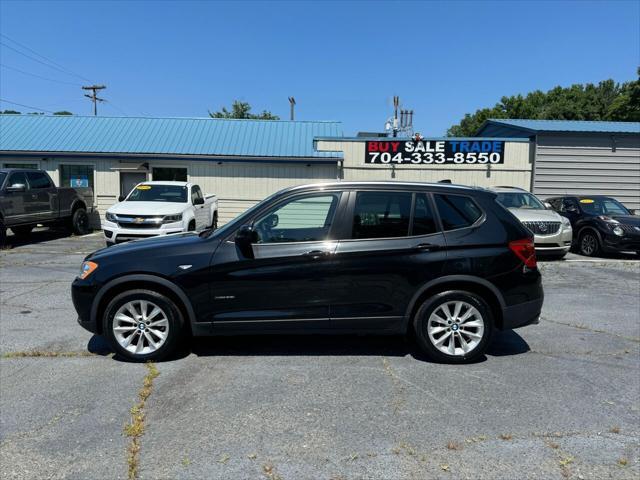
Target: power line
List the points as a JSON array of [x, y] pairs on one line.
[[38, 76], [25, 106], [51, 64]]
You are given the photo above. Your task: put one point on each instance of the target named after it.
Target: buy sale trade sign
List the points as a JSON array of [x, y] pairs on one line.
[[425, 152]]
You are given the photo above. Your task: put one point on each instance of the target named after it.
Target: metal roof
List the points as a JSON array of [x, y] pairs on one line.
[[534, 126], [167, 136]]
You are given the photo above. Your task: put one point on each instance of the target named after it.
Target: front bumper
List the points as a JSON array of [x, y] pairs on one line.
[[82, 295], [625, 243], [557, 243], [114, 233]]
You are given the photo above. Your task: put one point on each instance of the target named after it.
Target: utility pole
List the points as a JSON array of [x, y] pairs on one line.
[[292, 102], [94, 98]]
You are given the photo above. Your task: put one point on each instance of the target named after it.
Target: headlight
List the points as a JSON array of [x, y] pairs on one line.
[[618, 231], [111, 217], [607, 219], [87, 269], [565, 222], [172, 218]]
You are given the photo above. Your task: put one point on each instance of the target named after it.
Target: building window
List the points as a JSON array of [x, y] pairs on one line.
[[31, 166], [167, 174], [76, 176]]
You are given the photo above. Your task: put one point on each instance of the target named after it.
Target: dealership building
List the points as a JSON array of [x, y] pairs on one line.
[[244, 161], [578, 157]]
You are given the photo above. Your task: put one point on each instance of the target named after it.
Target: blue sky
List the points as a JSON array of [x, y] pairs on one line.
[[341, 60]]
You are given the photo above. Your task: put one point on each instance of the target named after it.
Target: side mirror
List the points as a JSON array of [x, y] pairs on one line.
[[571, 209], [121, 198], [548, 206], [634, 211], [244, 238], [17, 187], [198, 201]]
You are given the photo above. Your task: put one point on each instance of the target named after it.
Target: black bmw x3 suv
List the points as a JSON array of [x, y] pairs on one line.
[[446, 263]]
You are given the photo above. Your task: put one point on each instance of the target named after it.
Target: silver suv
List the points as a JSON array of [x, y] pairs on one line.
[[552, 232]]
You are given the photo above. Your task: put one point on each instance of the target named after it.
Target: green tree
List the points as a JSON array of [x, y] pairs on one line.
[[607, 100], [242, 110], [9, 112], [63, 112]]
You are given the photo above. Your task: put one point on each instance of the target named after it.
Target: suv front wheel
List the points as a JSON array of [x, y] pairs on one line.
[[142, 325], [454, 326]]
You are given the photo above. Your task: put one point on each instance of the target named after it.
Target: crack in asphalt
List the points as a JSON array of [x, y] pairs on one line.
[[589, 329]]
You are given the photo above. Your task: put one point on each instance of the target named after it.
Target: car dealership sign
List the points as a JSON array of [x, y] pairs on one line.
[[425, 152]]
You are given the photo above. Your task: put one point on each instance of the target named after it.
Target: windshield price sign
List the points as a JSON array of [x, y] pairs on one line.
[[423, 152]]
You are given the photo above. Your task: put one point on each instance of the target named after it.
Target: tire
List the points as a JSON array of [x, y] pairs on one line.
[[21, 231], [431, 317], [168, 323], [3, 233], [589, 244], [80, 222]]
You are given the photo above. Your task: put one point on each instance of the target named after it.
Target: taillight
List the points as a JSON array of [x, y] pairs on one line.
[[525, 251]]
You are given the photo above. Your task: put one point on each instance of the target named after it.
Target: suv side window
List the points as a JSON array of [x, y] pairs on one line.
[[556, 204], [305, 218], [570, 205], [381, 214], [18, 178], [424, 221], [457, 211], [38, 180]]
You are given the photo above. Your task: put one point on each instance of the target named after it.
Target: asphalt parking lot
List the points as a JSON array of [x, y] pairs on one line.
[[557, 400]]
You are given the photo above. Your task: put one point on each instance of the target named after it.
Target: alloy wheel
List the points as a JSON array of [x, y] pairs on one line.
[[456, 328], [140, 327], [588, 244]]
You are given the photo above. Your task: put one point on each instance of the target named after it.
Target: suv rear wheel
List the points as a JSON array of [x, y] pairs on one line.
[[142, 325], [454, 326]]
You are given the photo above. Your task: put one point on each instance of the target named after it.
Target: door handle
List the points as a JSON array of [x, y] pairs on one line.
[[428, 247], [34, 196], [315, 254]]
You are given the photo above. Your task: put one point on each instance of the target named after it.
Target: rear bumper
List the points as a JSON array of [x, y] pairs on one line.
[[522, 314]]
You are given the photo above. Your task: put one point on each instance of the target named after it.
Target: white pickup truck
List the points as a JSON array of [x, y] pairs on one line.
[[160, 208]]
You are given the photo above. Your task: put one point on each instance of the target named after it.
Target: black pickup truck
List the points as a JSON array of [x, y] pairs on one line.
[[29, 197]]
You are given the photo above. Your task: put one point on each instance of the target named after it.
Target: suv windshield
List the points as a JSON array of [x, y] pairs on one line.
[[519, 200], [158, 193], [3, 175], [603, 206]]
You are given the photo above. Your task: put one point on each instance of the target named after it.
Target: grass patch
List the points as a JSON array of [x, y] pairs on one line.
[[46, 354], [454, 445], [270, 472], [614, 430], [506, 436], [623, 462], [135, 429]]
